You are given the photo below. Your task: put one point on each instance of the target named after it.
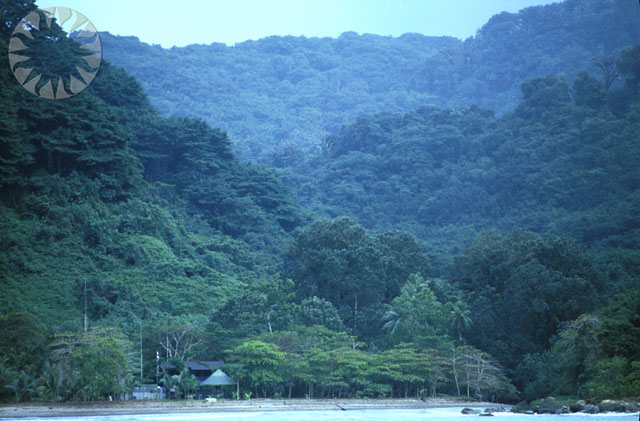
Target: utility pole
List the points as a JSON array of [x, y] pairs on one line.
[[85, 305], [140, 351]]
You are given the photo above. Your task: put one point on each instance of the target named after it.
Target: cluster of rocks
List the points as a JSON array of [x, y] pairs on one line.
[[551, 406], [488, 412]]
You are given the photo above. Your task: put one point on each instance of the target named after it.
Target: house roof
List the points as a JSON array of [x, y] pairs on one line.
[[204, 365], [195, 365], [219, 378]]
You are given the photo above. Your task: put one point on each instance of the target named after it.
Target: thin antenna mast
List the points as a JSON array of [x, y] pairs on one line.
[[140, 350], [85, 304]]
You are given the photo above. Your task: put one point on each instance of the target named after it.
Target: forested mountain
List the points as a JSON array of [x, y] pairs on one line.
[[422, 244], [99, 187], [563, 162], [290, 92]]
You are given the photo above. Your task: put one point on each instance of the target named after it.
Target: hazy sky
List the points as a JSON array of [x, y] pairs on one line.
[[172, 23]]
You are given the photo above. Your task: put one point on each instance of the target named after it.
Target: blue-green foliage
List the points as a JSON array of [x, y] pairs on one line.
[[154, 214], [280, 95], [173, 245], [558, 164]]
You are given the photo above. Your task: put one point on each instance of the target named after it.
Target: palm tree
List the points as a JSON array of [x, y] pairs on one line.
[[51, 379], [129, 382], [7, 374], [401, 309], [188, 382], [460, 318], [172, 382], [416, 311], [24, 386], [392, 319]]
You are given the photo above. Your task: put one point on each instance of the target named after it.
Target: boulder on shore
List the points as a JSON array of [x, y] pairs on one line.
[[577, 406], [470, 411], [547, 406], [522, 408], [630, 407], [591, 409], [609, 405]]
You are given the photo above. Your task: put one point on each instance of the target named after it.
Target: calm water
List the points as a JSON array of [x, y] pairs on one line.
[[441, 414]]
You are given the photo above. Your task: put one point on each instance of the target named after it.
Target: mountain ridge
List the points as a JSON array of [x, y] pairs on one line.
[[279, 92]]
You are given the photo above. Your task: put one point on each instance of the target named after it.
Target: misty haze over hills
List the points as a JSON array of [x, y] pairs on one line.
[[361, 217], [279, 91]]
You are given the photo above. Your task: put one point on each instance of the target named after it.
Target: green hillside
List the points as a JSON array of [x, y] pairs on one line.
[[407, 249], [281, 93], [155, 214], [564, 162]]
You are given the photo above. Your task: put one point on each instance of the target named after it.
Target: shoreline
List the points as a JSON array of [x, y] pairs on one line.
[[79, 409]]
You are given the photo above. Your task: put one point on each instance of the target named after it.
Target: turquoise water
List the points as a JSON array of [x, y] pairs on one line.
[[440, 414]]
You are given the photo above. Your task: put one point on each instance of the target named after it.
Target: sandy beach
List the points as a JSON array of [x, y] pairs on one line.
[[164, 407]]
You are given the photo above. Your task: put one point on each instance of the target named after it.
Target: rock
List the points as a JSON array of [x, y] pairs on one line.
[[591, 409], [486, 414], [547, 406], [494, 409], [577, 406], [469, 411], [609, 405], [630, 407], [522, 408], [564, 409]]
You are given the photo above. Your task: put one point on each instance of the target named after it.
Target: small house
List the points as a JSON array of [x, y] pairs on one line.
[[200, 369]]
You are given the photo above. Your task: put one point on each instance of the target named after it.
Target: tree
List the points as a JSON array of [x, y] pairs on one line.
[[181, 336], [318, 311], [618, 334], [7, 374], [258, 364], [576, 351], [24, 386], [609, 381], [609, 68], [629, 66], [589, 91], [264, 306], [415, 313], [338, 372], [478, 371], [101, 364], [544, 93], [188, 383], [172, 385], [12, 13], [460, 318], [304, 348], [597, 354], [412, 367], [337, 260], [519, 289], [52, 379], [276, 297], [25, 340]]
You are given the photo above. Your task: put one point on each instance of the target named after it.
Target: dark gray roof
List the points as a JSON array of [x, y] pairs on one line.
[[204, 365], [195, 365], [218, 379]]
